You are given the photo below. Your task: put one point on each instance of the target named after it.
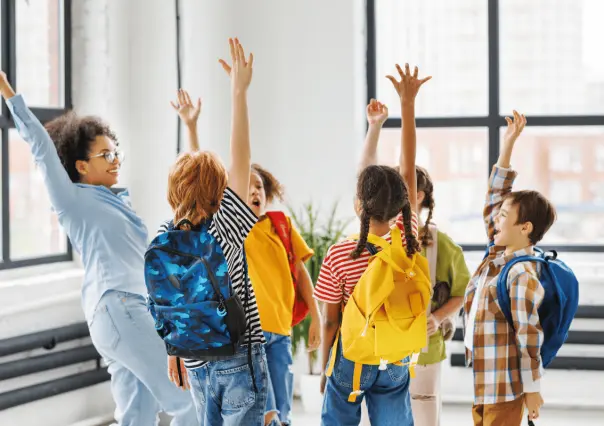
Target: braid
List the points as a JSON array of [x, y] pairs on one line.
[[412, 243], [362, 237], [426, 235], [425, 185]]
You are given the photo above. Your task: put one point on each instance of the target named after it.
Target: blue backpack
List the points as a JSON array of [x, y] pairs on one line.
[[191, 299], [559, 305]]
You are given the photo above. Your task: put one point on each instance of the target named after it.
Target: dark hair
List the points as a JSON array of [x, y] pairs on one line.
[[73, 136], [424, 183], [382, 195], [272, 186], [535, 208]]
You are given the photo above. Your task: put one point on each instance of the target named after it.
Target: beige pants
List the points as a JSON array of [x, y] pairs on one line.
[[425, 397]]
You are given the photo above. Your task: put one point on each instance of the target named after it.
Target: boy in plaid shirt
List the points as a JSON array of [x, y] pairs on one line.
[[506, 360]]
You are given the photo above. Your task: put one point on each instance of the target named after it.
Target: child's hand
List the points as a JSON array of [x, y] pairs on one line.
[[241, 69], [6, 90], [314, 335], [377, 113], [514, 128], [533, 402], [185, 109], [433, 324], [509, 138], [173, 372], [409, 85]]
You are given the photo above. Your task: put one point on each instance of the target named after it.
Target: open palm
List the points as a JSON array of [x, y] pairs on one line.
[[187, 112]]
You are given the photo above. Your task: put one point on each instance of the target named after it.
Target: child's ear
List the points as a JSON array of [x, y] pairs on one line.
[[82, 167], [527, 229]]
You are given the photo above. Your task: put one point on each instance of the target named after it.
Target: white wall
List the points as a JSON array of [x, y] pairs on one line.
[[306, 98]]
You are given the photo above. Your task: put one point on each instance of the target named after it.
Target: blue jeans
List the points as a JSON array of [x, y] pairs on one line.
[[387, 393], [224, 393], [281, 379], [123, 332]]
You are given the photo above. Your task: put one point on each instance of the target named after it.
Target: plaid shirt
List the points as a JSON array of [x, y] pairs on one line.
[[506, 360]]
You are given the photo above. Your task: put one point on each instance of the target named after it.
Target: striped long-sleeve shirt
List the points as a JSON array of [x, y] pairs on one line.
[[230, 226], [506, 360]]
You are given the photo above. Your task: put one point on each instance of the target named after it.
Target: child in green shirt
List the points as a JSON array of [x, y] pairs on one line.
[[450, 276]]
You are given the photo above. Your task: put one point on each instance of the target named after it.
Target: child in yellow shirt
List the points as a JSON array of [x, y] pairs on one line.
[[277, 285]]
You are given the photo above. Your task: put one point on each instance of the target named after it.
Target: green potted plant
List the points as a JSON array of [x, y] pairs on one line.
[[320, 234]]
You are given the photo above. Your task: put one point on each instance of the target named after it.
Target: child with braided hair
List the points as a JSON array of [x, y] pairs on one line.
[[381, 196]]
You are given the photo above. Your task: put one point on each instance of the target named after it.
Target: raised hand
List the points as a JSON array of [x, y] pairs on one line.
[[514, 128], [377, 113], [509, 138], [409, 85], [240, 69], [187, 112]]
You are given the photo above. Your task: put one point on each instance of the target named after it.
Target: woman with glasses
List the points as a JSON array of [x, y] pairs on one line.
[[79, 161]]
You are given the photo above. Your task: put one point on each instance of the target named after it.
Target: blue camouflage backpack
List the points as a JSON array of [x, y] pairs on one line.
[[559, 305], [191, 299]]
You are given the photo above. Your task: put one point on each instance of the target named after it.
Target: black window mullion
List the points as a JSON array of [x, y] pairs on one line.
[[8, 66], [494, 117], [67, 54]]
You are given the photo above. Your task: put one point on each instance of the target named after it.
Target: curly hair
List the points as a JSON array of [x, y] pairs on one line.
[[73, 136], [196, 186], [382, 194], [424, 183], [272, 187]]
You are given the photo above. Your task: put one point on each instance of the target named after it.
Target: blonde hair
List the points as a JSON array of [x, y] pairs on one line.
[[196, 185]]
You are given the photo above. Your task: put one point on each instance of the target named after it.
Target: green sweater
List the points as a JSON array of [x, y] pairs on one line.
[[450, 268]]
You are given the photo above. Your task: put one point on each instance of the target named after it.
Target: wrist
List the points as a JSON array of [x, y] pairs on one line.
[[407, 102], [239, 92]]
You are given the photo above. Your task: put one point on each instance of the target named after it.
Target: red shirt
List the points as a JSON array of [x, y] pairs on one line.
[[340, 273]]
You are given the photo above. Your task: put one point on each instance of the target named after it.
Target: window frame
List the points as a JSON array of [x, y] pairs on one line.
[[494, 121], [8, 24]]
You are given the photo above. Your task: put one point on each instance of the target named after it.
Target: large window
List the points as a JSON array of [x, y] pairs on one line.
[[35, 49], [542, 58]]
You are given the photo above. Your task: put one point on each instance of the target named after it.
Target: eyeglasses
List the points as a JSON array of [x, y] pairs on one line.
[[110, 156]]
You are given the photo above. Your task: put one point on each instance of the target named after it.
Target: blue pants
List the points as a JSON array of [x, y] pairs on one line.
[[387, 394], [123, 332], [281, 379], [224, 393]]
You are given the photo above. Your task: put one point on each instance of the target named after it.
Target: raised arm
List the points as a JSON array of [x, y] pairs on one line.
[[61, 189], [502, 177], [407, 90], [377, 113], [189, 114], [241, 76]]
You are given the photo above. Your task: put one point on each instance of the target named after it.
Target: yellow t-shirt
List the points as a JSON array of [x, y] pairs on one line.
[[270, 274]]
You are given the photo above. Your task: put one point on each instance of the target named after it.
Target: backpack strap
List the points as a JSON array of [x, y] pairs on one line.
[[283, 230], [248, 325], [432, 253], [356, 375]]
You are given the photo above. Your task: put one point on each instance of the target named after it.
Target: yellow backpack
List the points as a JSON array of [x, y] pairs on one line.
[[385, 320]]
